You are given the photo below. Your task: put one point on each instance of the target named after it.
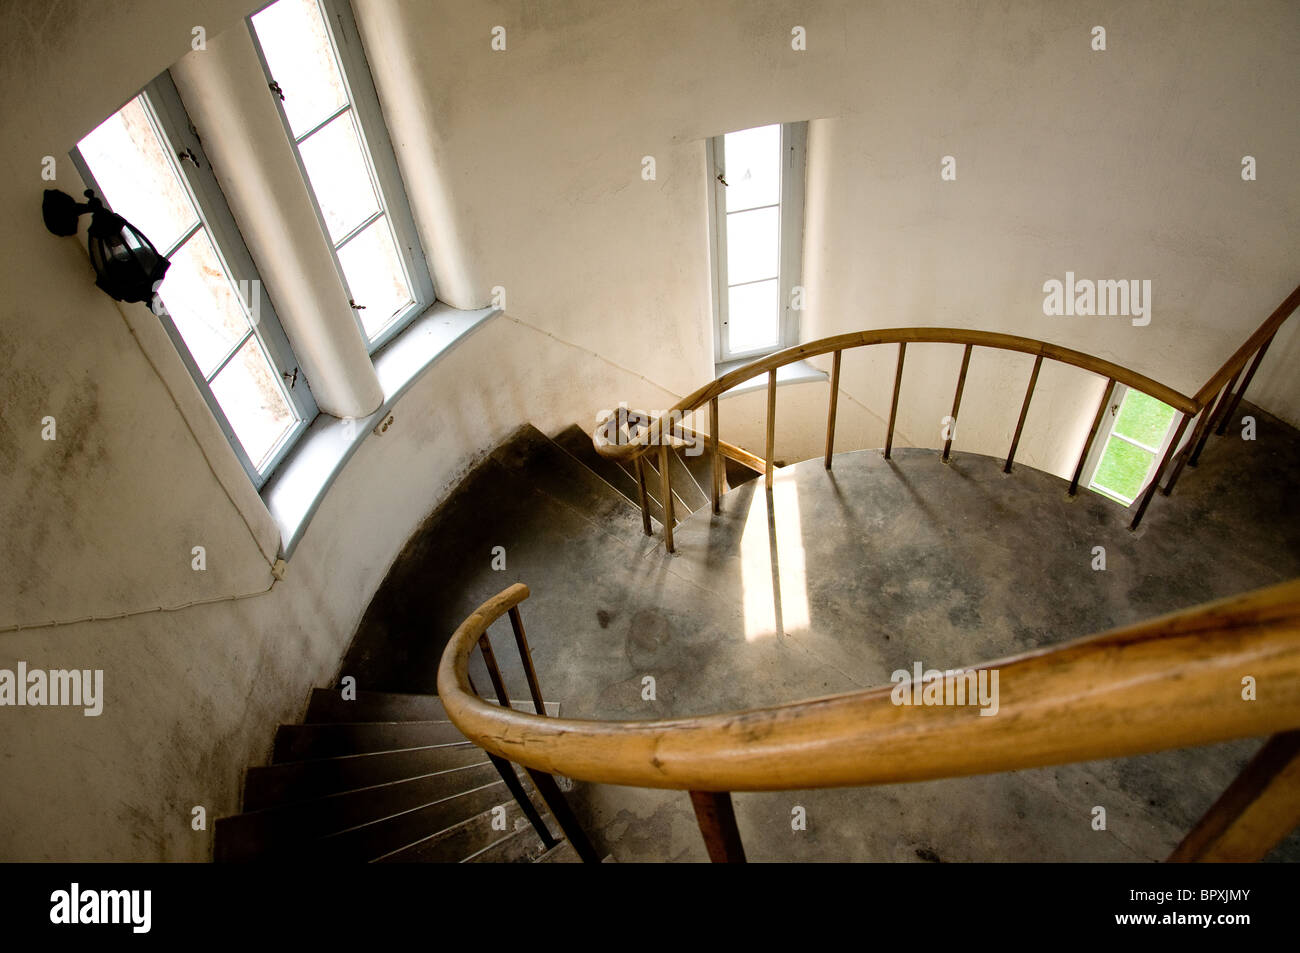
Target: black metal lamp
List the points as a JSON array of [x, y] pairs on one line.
[[127, 265]]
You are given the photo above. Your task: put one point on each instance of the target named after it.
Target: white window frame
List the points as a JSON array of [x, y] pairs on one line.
[[794, 139], [1102, 441], [377, 149], [172, 124]]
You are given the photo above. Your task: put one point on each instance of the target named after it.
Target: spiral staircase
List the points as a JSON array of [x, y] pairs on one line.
[[395, 773]]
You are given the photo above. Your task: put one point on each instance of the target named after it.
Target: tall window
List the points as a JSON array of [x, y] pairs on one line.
[[757, 238], [1138, 434], [148, 166], [314, 61]]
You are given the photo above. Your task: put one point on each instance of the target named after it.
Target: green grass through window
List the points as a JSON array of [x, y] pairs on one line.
[[1131, 447]]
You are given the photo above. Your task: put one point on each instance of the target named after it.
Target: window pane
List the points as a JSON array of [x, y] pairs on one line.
[[753, 245], [203, 303], [1144, 419], [753, 162], [339, 176], [753, 316], [375, 277], [136, 176], [248, 390], [1123, 468], [298, 51]]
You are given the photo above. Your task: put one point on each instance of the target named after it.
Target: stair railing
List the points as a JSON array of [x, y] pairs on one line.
[[507, 602], [1221, 385], [616, 439], [1176, 681]]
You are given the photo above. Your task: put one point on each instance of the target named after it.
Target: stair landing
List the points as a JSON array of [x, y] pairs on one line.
[[829, 584]]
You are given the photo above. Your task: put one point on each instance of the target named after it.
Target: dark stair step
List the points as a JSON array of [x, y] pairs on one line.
[[328, 705], [685, 486], [622, 478], [561, 853], [303, 780], [701, 468], [430, 825], [577, 443], [278, 830], [739, 474], [305, 742], [654, 487], [550, 470], [467, 838], [522, 846]]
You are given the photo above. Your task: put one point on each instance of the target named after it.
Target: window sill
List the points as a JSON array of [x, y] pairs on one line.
[[295, 491], [800, 372]]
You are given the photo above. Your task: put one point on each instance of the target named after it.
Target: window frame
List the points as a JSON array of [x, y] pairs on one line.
[[794, 147], [381, 161], [1102, 442], [167, 113]]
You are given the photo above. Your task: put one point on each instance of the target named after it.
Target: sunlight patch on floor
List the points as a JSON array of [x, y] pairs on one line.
[[773, 578]]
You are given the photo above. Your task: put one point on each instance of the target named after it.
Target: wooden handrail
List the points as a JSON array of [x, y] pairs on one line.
[[650, 431], [1171, 682], [1184, 679], [650, 435]]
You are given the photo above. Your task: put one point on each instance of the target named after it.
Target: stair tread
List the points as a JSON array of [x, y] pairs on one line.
[[552, 471], [293, 781], [684, 485], [577, 443], [459, 841], [654, 489], [328, 705], [439, 829], [521, 845], [701, 468], [309, 742], [561, 853], [281, 828]]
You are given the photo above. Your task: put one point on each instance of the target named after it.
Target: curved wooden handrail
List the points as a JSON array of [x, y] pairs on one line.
[[1171, 682], [679, 436], [649, 436]]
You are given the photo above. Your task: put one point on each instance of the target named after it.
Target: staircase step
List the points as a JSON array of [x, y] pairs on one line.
[[548, 469], [651, 495], [576, 442], [436, 826], [738, 473], [654, 488], [522, 846], [620, 476], [304, 780], [684, 484], [701, 468], [328, 705], [306, 742], [278, 830], [561, 853], [462, 840]]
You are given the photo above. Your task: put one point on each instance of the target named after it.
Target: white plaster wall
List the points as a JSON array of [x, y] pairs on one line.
[[1116, 164]]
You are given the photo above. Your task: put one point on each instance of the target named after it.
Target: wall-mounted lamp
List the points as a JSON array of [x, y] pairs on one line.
[[127, 265]]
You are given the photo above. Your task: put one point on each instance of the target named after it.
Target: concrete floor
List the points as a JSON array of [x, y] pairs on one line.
[[878, 564]]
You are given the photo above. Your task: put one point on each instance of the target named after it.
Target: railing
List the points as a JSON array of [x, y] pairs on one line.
[[474, 629], [613, 437], [1172, 682]]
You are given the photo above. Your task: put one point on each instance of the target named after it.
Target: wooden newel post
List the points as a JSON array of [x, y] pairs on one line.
[[717, 820]]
